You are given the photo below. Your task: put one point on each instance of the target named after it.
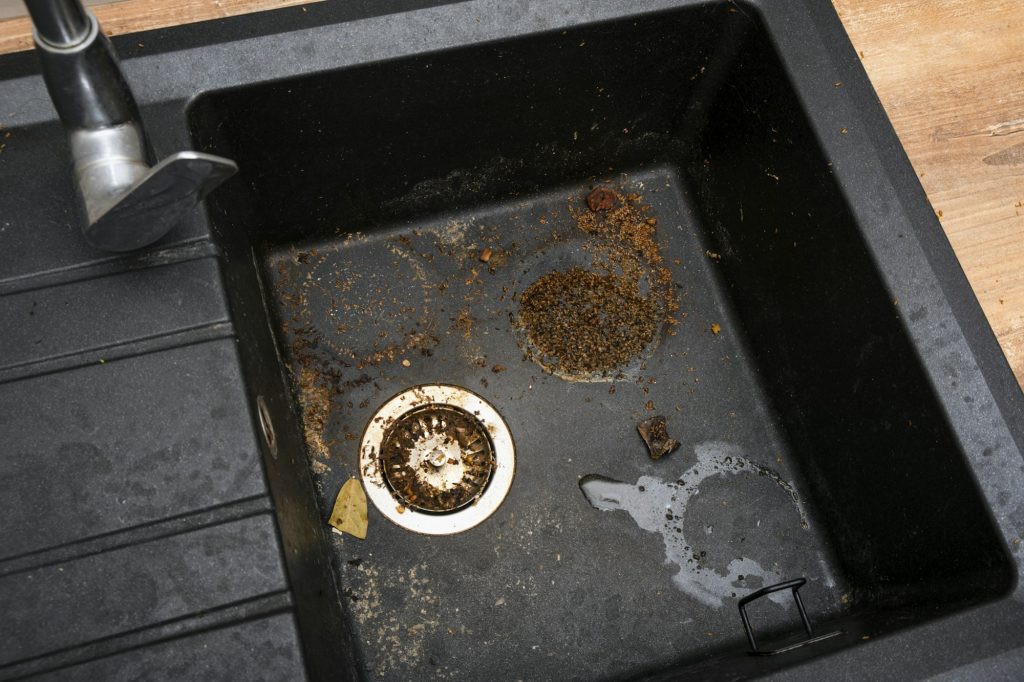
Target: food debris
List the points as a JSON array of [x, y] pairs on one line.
[[316, 396], [655, 435], [601, 199], [587, 322], [349, 514], [716, 328], [486, 254], [713, 255], [406, 363], [438, 481], [498, 369], [464, 323], [591, 321]]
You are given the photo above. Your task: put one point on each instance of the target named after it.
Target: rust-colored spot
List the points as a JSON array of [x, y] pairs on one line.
[[601, 199]]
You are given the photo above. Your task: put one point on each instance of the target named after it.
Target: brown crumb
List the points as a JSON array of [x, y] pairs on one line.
[[406, 363], [716, 328], [464, 323], [486, 254], [497, 369]]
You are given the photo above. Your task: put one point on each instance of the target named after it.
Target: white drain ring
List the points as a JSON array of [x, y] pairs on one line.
[[442, 523]]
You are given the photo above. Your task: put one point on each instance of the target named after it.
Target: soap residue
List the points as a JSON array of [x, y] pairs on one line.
[[659, 507]]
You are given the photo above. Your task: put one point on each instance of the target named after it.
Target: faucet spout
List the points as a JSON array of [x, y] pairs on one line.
[[128, 202]]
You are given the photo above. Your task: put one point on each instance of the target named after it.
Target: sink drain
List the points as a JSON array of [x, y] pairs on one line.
[[437, 459]]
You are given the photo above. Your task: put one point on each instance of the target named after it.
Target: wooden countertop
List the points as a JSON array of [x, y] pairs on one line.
[[950, 74]]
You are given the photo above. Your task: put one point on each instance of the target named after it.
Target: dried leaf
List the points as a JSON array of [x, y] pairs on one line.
[[349, 514]]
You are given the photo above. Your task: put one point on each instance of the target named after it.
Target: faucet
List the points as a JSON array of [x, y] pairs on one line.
[[128, 202]]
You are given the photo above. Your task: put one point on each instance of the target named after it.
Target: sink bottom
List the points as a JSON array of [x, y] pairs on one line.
[[550, 586]]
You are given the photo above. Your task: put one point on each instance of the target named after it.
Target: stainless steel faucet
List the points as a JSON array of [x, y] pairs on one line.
[[128, 203]]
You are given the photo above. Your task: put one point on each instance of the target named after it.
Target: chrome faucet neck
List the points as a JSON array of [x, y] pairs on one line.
[[127, 203]]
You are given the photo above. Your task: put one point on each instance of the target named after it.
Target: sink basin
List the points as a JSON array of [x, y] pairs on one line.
[[389, 219]]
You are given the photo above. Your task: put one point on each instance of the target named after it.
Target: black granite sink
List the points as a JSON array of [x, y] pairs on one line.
[[352, 239], [177, 422]]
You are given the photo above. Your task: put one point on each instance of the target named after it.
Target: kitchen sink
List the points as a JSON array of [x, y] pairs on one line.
[[386, 230]]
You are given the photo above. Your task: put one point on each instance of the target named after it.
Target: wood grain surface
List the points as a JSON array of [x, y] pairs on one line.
[[950, 74], [141, 15]]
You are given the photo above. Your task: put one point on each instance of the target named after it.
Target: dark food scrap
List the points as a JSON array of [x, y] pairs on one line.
[[601, 199], [655, 435]]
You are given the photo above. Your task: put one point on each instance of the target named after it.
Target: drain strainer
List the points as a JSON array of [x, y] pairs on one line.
[[437, 459]]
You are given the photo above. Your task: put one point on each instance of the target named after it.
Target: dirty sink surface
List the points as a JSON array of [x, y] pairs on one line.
[[390, 217], [549, 582]]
